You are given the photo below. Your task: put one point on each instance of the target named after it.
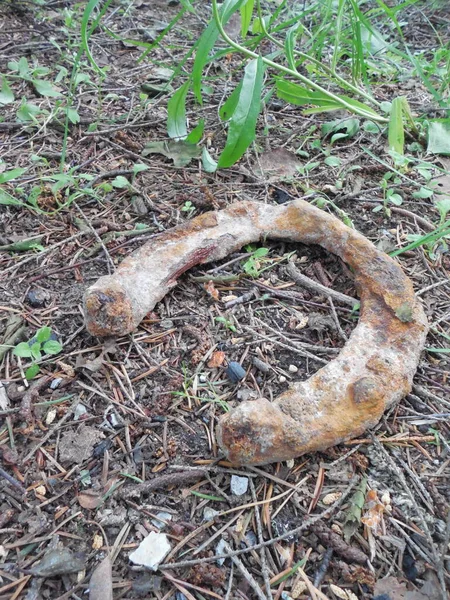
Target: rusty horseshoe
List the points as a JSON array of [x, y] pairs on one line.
[[348, 395]]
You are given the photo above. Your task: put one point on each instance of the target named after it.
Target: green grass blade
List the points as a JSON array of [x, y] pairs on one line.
[[206, 44], [85, 32], [246, 16], [176, 113], [242, 128], [396, 132]]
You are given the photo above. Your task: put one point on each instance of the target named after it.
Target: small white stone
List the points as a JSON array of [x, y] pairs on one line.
[[151, 551], [221, 549], [238, 485], [293, 369], [51, 416], [80, 411], [282, 379], [202, 378], [209, 514], [161, 517]]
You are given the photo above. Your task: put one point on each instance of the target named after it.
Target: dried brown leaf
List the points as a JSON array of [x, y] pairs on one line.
[[100, 585], [216, 359]]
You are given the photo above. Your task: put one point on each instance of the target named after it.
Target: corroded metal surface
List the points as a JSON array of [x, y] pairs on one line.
[[344, 398]]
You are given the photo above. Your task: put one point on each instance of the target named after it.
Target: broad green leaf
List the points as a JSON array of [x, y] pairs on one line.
[[32, 371], [227, 109], [73, 116], [23, 350], [28, 112], [52, 347], [396, 199], [423, 193], [43, 334], [241, 132], [260, 252], [332, 161], [246, 16], [301, 96], [22, 67], [439, 136], [36, 351], [209, 164], [6, 93], [349, 127], [8, 200], [12, 174], [63, 72], [120, 182], [45, 88], [443, 206], [139, 167], [396, 132], [176, 113], [197, 133], [206, 44]]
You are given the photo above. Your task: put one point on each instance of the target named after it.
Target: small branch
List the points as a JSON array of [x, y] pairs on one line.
[[305, 281]]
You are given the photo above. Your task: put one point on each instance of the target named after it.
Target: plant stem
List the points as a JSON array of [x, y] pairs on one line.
[[292, 73]]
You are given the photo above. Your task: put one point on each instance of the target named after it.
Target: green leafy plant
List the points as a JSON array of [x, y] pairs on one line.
[[188, 208], [5, 197], [226, 322], [35, 349], [390, 196], [327, 65], [252, 266]]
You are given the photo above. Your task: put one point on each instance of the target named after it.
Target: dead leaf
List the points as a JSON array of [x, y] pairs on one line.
[[181, 152], [277, 164], [100, 585], [374, 512], [76, 446], [397, 590], [212, 291], [90, 500], [59, 562], [216, 359], [93, 365]]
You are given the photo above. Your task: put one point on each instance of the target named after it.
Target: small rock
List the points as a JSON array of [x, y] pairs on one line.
[[209, 514], [260, 365], [139, 206], [51, 416], [293, 369], [221, 549], [238, 485], [151, 551], [77, 446], [37, 298], [245, 394], [55, 383], [161, 517], [235, 372], [79, 412], [147, 583], [282, 379], [202, 378]]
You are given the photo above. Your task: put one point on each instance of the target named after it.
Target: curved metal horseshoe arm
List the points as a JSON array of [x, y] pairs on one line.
[[373, 371]]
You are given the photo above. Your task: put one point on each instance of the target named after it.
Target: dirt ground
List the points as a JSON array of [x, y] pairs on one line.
[[102, 417]]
